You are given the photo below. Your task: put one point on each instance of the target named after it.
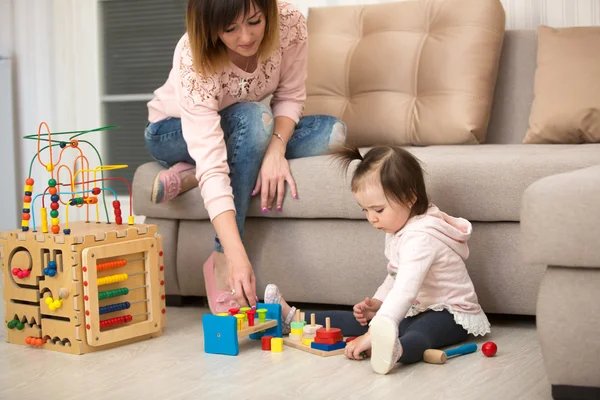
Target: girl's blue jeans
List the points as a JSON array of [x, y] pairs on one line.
[[248, 130]]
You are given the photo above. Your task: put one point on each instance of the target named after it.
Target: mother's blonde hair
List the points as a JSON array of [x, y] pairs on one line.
[[205, 19]]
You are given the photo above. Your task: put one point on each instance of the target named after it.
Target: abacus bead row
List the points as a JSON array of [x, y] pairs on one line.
[[107, 280], [111, 265], [115, 321], [115, 307], [112, 293]]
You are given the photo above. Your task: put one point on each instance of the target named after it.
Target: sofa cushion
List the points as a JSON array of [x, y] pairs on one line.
[[413, 72], [566, 107], [479, 182]]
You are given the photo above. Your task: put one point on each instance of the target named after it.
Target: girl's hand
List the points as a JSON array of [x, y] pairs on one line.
[[359, 345], [366, 310], [274, 172], [242, 280]]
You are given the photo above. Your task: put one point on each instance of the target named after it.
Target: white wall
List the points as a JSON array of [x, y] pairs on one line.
[[55, 76], [520, 13]]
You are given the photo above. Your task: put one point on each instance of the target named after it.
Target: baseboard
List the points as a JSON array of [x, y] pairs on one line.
[[567, 392]]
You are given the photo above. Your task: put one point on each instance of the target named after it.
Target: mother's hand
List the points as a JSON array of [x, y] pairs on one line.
[[242, 280], [274, 172]]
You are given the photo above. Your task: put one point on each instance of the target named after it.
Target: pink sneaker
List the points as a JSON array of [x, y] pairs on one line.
[[273, 296], [219, 301], [167, 184]]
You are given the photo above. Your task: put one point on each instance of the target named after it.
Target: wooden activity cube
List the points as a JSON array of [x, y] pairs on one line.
[[99, 287]]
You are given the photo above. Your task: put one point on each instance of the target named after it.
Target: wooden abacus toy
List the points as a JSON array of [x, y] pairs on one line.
[[223, 331], [315, 339], [61, 291]]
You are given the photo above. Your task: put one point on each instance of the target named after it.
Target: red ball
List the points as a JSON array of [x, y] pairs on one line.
[[96, 191], [26, 273], [26, 216], [20, 274], [489, 349], [29, 181], [55, 228], [27, 199], [118, 220], [54, 206], [15, 271], [116, 204], [117, 212]]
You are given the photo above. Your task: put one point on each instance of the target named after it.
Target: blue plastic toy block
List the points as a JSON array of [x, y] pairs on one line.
[[328, 347], [273, 312], [220, 335]]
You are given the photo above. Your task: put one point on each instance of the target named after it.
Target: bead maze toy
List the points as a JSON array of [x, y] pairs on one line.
[[223, 331], [315, 339], [61, 291]]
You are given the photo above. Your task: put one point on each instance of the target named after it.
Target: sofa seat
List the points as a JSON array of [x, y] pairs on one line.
[[482, 183]]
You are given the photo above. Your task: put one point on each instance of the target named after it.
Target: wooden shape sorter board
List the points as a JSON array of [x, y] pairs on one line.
[[125, 261], [298, 345]]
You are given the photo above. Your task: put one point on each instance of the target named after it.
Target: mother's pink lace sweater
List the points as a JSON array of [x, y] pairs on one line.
[[198, 99]]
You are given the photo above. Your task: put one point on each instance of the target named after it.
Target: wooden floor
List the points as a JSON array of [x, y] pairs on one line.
[[175, 366]]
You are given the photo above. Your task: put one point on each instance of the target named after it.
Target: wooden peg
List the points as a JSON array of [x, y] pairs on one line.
[[312, 319], [297, 315], [327, 324], [302, 316]]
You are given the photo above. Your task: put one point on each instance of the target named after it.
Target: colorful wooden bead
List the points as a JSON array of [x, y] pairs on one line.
[[116, 204], [265, 342], [62, 145], [296, 331], [96, 191], [55, 229], [54, 198], [328, 341], [29, 181], [307, 341], [54, 205], [276, 345], [52, 190]]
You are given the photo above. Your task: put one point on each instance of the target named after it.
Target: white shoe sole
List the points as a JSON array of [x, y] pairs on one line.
[[384, 334]]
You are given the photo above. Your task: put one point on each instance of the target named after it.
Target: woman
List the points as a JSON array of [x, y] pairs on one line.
[[208, 127]]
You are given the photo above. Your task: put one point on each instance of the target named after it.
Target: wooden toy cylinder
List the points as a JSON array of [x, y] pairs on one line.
[[276, 345], [265, 342]]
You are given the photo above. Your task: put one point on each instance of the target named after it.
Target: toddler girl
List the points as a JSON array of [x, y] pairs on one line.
[[427, 299]]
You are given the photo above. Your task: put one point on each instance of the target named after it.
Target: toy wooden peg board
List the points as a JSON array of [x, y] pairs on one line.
[[315, 339], [95, 284]]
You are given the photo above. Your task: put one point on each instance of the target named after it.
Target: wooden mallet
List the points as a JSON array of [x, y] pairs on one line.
[[434, 356]]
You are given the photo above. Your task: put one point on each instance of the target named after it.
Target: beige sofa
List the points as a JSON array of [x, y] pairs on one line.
[[321, 249], [560, 223]]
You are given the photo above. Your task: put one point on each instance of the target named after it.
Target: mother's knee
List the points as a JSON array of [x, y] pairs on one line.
[[337, 136]]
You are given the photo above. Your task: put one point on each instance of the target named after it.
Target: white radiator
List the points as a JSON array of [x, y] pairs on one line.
[[10, 193]]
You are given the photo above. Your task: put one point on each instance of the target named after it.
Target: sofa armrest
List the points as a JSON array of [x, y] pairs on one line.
[[560, 220]]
